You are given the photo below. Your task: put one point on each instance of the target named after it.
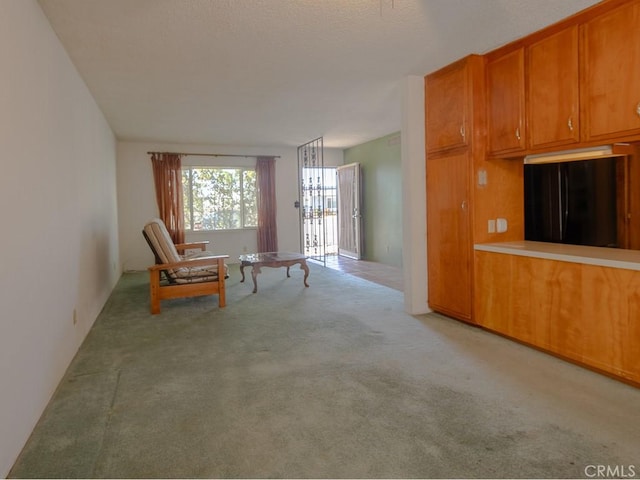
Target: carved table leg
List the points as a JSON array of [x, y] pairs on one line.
[[242, 272], [303, 266], [254, 273]]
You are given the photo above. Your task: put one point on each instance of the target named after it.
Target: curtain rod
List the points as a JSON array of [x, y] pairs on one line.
[[215, 154]]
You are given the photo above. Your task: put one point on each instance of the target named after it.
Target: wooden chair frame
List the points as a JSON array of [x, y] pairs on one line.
[[163, 291]]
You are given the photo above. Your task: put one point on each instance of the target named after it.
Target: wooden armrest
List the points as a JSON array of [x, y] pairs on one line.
[[194, 262], [192, 245]]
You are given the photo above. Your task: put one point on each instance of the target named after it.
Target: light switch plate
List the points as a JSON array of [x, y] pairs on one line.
[[501, 225], [482, 178]]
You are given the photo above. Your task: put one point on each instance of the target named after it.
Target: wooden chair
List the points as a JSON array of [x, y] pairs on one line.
[[184, 275]]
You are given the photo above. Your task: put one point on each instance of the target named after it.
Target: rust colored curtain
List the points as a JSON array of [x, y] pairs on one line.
[[167, 175], [266, 180]]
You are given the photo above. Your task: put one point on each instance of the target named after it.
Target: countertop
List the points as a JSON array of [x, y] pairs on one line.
[[600, 256]]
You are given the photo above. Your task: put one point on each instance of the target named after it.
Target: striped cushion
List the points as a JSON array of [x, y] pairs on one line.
[[161, 241], [159, 237]]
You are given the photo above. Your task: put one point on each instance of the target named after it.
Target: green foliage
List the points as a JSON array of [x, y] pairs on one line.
[[250, 198], [219, 198]]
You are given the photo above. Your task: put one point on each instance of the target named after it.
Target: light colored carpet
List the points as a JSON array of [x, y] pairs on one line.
[[331, 381]]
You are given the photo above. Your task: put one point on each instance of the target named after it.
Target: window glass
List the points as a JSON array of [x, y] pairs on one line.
[[219, 198]]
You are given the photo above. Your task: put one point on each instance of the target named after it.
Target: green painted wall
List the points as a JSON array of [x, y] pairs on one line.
[[382, 197]]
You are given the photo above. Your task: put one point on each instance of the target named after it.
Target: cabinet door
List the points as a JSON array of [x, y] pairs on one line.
[[506, 94], [448, 235], [446, 100], [553, 102], [508, 301], [611, 94]]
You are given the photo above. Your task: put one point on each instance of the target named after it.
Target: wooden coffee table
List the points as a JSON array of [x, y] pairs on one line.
[[272, 259]]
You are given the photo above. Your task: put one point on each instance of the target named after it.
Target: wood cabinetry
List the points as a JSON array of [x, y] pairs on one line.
[[586, 313], [553, 90], [581, 80], [574, 84], [454, 121], [611, 73], [506, 103], [507, 304], [448, 235], [447, 97]]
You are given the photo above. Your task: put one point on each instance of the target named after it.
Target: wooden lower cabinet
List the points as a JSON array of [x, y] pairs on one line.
[[449, 249], [585, 313]]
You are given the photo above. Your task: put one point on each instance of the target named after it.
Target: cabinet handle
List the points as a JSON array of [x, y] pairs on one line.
[[518, 133], [462, 130], [638, 109], [463, 205], [570, 124]]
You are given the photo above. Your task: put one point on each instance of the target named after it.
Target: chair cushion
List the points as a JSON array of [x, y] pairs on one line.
[[162, 243], [159, 237], [196, 274]]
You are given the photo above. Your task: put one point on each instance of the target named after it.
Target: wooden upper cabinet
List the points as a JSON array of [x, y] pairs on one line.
[[446, 107], [553, 88], [506, 103], [610, 95]]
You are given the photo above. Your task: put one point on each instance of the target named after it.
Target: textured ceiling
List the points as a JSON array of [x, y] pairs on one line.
[[275, 72]]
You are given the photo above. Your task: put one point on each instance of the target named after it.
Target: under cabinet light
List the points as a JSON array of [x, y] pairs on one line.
[[605, 151]]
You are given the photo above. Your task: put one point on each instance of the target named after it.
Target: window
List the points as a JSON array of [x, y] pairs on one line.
[[219, 198]]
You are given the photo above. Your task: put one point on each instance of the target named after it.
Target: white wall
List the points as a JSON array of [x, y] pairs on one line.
[[414, 218], [137, 203], [58, 242]]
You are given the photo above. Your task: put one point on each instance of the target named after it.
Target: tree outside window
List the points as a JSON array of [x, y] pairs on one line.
[[219, 198]]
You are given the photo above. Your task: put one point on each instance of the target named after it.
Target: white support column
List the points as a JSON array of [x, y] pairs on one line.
[[414, 216]]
